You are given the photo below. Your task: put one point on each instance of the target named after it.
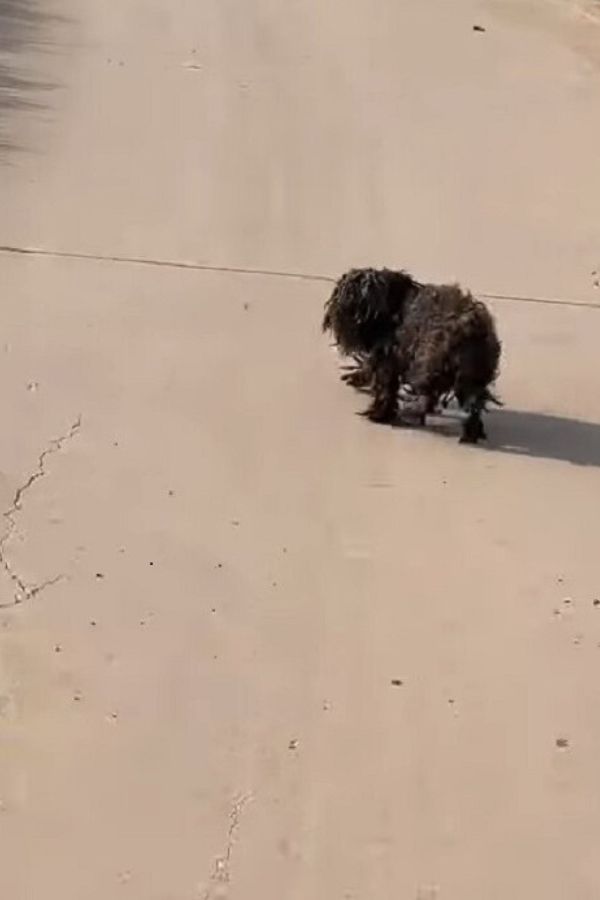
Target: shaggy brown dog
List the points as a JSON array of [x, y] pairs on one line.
[[436, 339]]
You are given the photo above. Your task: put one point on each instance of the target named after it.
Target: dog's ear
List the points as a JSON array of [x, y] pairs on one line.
[[401, 286], [327, 322]]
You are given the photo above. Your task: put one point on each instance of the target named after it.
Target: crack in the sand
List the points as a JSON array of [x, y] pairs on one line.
[[221, 873], [22, 590], [268, 273]]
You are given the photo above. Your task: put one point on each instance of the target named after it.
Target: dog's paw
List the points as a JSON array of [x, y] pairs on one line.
[[473, 436], [358, 378], [381, 414]]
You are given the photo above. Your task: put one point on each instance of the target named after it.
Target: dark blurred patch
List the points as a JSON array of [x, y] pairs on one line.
[[25, 28]]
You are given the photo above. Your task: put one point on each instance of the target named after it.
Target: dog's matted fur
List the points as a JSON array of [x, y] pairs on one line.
[[436, 339]]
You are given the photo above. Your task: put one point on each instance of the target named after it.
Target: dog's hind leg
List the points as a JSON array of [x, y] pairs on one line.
[[386, 372], [473, 430], [474, 405]]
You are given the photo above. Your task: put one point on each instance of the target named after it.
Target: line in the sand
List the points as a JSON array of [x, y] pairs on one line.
[[165, 263], [267, 273]]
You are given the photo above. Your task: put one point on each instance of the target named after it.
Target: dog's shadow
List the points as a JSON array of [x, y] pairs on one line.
[[539, 435], [521, 433]]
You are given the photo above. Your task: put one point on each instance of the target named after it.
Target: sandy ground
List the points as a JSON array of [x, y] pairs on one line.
[[213, 571]]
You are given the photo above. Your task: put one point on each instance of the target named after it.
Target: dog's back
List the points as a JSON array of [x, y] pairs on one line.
[[447, 341]]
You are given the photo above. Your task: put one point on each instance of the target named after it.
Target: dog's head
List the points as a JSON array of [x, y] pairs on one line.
[[366, 307]]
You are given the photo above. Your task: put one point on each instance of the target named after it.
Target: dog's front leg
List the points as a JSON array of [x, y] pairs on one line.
[[386, 372]]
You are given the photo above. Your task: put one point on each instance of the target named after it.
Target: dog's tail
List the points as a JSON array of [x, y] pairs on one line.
[[490, 397]]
